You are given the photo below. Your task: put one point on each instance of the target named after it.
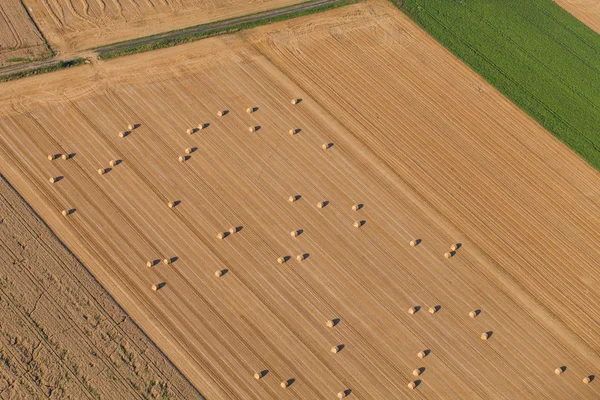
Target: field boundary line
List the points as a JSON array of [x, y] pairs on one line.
[[170, 39], [100, 306]]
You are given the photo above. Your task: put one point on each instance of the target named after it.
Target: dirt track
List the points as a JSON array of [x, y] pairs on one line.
[[61, 335], [429, 149], [268, 15], [19, 38], [71, 26], [587, 11]]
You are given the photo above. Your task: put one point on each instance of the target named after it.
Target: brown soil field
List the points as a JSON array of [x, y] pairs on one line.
[[61, 334], [19, 38], [78, 25], [428, 149], [587, 11]]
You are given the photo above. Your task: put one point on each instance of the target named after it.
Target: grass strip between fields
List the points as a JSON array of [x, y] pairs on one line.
[[537, 54], [49, 54], [42, 70], [181, 37]]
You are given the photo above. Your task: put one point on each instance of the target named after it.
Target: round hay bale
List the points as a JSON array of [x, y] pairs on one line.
[[188, 150], [220, 235], [454, 247], [357, 224], [167, 261], [130, 127], [149, 264], [250, 110], [321, 204], [294, 233], [341, 394], [411, 385], [355, 207], [325, 146], [292, 131], [64, 213], [421, 354], [121, 134], [257, 375], [284, 384], [485, 336], [335, 349], [65, 156], [101, 171], [472, 314], [300, 257], [252, 129], [154, 287], [232, 230], [558, 371], [587, 380], [330, 323], [220, 113], [171, 204], [218, 273], [112, 163], [413, 243], [292, 199], [189, 131], [281, 260], [181, 158], [447, 255], [416, 372], [52, 179], [412, 310], [51, 157], [294, 101], [432, 310]]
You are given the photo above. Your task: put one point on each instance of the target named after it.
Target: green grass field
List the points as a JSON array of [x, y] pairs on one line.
[[538, 55]]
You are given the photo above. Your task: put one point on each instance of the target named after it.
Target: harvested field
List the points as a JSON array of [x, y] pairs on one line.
[[534, 52], [587, 11], [425, 150], [79, 25], [19, 38], [61, 334]]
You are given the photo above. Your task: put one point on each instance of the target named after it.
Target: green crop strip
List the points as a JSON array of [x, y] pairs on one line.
[[42, 70], [537, 54]]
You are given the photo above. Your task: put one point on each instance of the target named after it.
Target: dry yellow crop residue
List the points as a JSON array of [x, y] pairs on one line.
[[19, 38], [79, 25], [328, 207], [61, 334]]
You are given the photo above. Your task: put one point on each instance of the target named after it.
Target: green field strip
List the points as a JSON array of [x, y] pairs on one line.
[[538, 55]]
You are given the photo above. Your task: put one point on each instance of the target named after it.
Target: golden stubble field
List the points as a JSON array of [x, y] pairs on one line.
[[587, 11], [428, 149], [19, 38], [61, 335], [79, 25]]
